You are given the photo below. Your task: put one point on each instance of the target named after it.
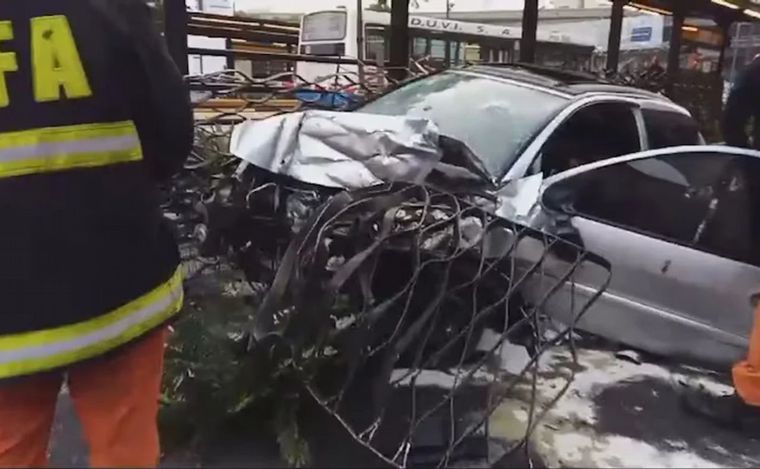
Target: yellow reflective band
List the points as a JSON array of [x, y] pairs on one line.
[[38, 351], [67, 147]]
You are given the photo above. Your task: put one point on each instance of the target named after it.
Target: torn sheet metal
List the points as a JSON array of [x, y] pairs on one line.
[[340, 150], [518, 197]]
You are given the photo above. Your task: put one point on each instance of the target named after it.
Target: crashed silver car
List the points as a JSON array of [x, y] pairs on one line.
[[671, 217], [679, 227]]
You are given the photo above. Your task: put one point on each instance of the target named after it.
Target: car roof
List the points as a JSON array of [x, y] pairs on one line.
[[574, 84]]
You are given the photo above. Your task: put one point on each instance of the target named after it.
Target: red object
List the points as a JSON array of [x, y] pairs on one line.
[[115, 396], [747, 373]]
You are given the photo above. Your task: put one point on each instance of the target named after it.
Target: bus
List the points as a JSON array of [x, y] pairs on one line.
[[441, 42]]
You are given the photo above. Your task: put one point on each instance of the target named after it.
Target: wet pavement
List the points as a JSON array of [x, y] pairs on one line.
[[616, 413]]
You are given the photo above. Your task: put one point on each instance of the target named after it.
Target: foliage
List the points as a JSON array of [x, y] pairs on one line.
[[210, 379]]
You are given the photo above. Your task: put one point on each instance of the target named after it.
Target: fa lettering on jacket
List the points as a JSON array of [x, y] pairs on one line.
[[56, 64]]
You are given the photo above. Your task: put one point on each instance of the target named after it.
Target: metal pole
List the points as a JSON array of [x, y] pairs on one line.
[[360, 41], [529, 28], [447, 55], [399, 54], [674, 54], [725, 27], [735, 46], [616, 29]]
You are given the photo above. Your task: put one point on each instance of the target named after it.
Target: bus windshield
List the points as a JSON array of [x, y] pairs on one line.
[[324, 26], [495, 118]]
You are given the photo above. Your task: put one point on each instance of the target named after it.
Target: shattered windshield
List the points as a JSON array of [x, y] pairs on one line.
[[494, 118]]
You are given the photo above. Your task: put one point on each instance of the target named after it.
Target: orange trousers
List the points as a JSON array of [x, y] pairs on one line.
[[116, 399], [747, 373]]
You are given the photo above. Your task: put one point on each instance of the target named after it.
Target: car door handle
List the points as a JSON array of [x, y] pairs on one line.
[[754, 299]]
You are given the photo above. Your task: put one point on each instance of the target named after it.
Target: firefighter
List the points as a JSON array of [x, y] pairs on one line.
[[744, 104], [93, 116]]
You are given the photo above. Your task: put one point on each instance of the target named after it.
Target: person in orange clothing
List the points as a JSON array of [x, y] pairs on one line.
[[746, 373], [115, 397], [94, 115]]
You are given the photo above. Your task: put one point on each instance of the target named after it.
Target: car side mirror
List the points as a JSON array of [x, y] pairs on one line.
[[558, 200], [563, 228], [558, 197]]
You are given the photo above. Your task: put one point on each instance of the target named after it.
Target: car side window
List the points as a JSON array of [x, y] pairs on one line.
[[732, 225], [667, 197], [669, 129], [594, 133]]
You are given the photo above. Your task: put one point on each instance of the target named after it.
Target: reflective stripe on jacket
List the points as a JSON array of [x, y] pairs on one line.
[[68, 147], [37, 351]]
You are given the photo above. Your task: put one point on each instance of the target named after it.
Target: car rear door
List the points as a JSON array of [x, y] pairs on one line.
[[678, 227]]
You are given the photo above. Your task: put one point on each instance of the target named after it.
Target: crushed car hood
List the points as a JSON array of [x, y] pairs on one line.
[[340, 150], [354, 150]]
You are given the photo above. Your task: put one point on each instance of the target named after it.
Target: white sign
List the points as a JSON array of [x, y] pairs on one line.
[[443, 25], [217, 7]]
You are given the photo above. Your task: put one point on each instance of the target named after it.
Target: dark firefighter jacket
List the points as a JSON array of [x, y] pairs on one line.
[[93, 115], [743, 104]]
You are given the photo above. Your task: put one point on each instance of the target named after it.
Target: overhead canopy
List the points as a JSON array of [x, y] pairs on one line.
[[731, 10]]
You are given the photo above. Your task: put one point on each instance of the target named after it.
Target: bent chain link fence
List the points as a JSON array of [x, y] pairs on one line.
[[390, 306], [380, 305]]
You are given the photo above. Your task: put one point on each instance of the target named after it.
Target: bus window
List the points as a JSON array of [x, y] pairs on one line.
[[438, 49], [456, 53], [377, 45], [419, 47], [502, 56], [324, 26], [485, 54], [337, 49]]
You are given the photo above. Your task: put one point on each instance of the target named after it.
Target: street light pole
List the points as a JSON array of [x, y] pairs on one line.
[[360, 40]]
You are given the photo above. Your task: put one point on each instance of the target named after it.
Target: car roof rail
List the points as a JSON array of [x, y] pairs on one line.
[[564, 76]]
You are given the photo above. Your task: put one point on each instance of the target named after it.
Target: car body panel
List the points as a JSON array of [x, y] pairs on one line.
[[664, 298]]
